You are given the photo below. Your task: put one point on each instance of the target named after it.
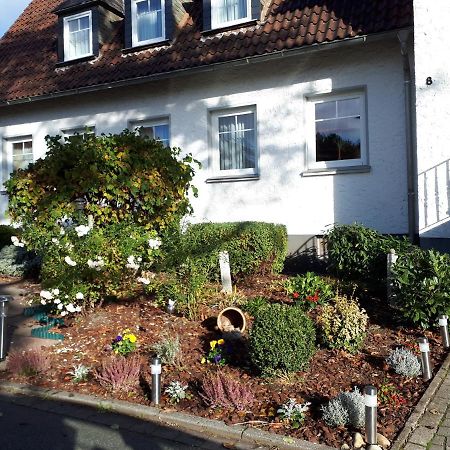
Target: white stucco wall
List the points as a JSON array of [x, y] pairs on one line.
[[432, 109], [279, 90]]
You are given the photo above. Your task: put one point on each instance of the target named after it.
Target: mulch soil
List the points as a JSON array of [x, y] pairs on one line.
[[88, 338]]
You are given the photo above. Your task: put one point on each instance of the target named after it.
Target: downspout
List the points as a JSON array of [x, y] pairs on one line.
[[403, 36]]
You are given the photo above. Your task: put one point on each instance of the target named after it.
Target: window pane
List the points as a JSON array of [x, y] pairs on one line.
[[245, 121], [227, 124], [22, 154], [147, 131], [73, 25], [155, 5], [325, 110], [349, 107], [162, 133], [78, 37], [149, 20], [84, 23], [141, 7], [338, 139]]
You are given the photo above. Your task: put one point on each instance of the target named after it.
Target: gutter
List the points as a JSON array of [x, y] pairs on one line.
[[403, 37], [359, 40]]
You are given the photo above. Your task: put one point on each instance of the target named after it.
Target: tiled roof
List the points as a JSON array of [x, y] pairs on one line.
[[28, 51]]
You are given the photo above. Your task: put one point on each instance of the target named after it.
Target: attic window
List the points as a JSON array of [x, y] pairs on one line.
[[148, 20], [78, 36], [229, 12]]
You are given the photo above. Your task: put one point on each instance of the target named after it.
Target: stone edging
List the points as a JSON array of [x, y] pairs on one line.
[[182, 420], [420, 408]]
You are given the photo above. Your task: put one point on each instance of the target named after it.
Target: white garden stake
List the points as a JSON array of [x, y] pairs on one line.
[[155, 369], [391, 260], [370, 402], [225, 273], [425, 358], [443, 320]]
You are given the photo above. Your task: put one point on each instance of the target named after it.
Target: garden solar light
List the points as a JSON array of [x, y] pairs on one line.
[[370, 402], [4, 301], [155, 369], [170, 308], [444, 331], [425, 357], [79, 203]]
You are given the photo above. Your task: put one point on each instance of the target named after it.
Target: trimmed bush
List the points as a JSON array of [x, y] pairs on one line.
[[343, 324], [282, 338], [421, 286], [253, 247]]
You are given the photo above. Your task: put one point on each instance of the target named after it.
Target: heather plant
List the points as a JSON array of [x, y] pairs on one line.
[[80, 373], [343, 324], [404, 362], [308, 290], [28, 363], [168, 350], [347, 408], [293, 413], [124, 343], [119, 373], [220, 390], [282, 338], [177, 392]]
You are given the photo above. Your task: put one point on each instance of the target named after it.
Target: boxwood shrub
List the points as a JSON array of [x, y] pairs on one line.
[[253, 247], [282, 338]]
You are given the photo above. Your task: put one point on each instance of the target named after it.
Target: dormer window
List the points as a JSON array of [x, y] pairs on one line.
[[78, 36], [229, 12], [147, 21]]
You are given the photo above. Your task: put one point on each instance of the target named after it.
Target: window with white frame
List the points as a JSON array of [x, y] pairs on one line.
[[17, 154], [148, 19], [78, 36], [337, 131], [234, 150], [153, 129], [229, 12]]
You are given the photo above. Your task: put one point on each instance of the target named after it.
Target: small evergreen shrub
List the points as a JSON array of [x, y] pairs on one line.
[[220, 390], [404, 362], [119, 373], [169, 350], [282, 337], [18, 262], [421, 286], [346, 409], [28, 363], [343, 324], [308, 290]]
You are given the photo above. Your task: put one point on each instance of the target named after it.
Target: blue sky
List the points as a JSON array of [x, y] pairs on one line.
[[11, 10]]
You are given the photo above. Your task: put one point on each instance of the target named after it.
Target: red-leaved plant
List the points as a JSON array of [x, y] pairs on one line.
[[222, 390], [119, 373], [28, 362]]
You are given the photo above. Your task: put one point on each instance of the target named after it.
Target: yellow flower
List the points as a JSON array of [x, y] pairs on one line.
[[203, 360], [132, 338], [221, 342], [213, 344]]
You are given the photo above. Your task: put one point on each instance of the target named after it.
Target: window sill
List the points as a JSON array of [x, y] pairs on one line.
[[75, 61], [222, 28], [141, 47], [230, 178], [336, 171]]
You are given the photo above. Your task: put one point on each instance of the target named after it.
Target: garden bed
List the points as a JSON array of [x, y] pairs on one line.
[[88, 338]]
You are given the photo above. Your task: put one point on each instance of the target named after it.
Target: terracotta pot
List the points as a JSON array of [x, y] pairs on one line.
[[231, 319]]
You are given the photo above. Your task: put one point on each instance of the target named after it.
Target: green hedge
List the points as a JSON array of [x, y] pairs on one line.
[[253, 247]]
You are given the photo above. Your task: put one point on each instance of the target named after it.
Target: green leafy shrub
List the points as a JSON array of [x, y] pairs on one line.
[[421, 286], [255, 304], [358, 252], [282, 337], [343, 324], [308, 290], [18, 262], [253, 247]]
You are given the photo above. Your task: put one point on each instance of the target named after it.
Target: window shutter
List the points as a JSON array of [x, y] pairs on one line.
[[256, 9], [207, 15], [169, 18], [95, 30], [128, 25], [60, 39]]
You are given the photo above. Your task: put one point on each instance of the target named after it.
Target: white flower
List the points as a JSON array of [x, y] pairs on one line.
[[16, 242], [98, 264], [46, 294], [79, 296], [143, 280], [57, 301], [63, 313], [60, 306], [171, 302], [70, 261], [82, 230], [132, 264], [55, 291], [62, 231], [70, 308], [43, 302], [154, 243], [55, 241], [69, 245], [78, 309]]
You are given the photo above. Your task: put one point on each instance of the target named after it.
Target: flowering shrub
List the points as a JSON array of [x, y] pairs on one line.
[[308, 290], [124, 343], [293, 413], [177, 392], [223, 391], [119, 373], [28, 363], [217, 353]]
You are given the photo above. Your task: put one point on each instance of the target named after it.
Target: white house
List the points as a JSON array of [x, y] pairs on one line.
[[302, 112]]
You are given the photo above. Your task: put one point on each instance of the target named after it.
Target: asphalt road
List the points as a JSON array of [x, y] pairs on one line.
[[35, 424]]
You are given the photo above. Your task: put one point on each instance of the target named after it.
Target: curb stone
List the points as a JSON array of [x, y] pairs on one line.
[[413, 422], [185, 421]]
